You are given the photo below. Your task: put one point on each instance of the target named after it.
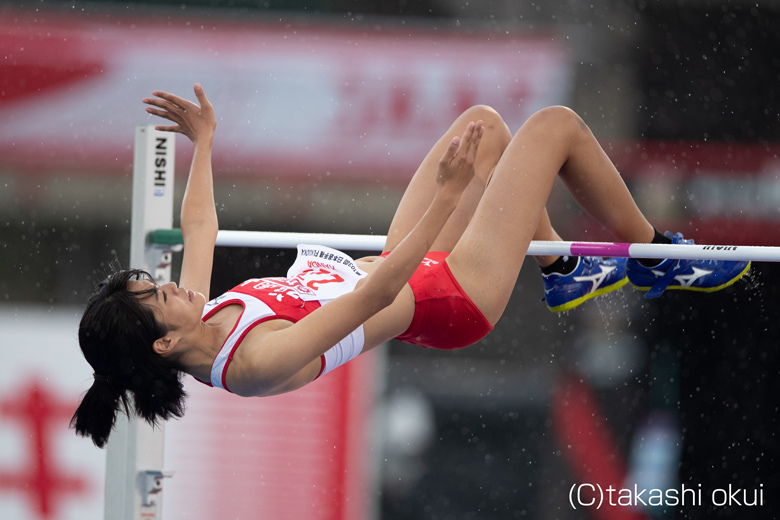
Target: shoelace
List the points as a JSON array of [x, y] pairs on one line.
[[588, 263], [678, 238], [660, 286]]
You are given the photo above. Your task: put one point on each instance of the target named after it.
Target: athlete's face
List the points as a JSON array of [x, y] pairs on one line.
[[177, 308]]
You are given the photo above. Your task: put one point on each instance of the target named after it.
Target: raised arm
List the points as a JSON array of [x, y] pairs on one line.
[[287, 351], [198, 212]]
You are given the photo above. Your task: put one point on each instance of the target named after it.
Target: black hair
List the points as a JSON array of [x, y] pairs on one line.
[[116, 335]]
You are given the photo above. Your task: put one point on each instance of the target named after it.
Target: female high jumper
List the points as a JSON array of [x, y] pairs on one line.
[[453, 253]]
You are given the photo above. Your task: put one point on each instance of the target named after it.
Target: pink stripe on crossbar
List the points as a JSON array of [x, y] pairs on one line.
[[599, 249]]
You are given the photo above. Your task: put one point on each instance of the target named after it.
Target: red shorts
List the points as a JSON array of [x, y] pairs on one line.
[[444, 316]]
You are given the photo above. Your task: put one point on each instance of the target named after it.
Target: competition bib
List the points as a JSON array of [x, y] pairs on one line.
[[322, 273]]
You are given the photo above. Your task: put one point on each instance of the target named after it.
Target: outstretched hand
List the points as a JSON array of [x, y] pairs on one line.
[[456, 167], [191, 120]]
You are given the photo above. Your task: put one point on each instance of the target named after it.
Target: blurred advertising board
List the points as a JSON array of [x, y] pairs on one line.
[[292, 100]]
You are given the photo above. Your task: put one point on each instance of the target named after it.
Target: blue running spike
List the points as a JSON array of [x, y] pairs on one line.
[[592, 277], [687, 275]]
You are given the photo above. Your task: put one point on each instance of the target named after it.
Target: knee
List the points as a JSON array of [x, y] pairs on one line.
[[558, 119], [486, 114], [483, 112], [494, 124]]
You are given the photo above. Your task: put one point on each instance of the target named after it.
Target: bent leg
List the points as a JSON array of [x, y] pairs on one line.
[[419, 193], [545, 231], [487, 259]]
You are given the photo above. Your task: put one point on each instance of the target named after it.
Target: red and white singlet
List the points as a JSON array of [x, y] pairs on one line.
[[319, 275]]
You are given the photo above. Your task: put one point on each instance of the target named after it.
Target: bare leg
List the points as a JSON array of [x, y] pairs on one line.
[[487, 259], [420, 191], [545, 231]]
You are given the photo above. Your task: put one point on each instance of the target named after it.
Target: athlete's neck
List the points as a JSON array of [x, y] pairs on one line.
[[202, 346]]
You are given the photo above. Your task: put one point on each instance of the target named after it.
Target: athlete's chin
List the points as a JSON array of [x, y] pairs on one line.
[[199, 299]]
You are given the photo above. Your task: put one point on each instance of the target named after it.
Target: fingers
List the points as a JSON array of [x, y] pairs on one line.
[[173, 100], [201, 95], [465, 148], [471, 138], [177, 109], [176, 128], [165, 114], [192, 119], [170, 107], [479, 131], [155, 112], [451, 150], [165, 108], [172, 104]]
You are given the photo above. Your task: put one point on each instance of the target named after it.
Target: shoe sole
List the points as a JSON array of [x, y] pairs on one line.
[[598, 292], [700, 289]]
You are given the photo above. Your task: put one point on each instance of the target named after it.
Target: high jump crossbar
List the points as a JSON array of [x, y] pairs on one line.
[[270, 239]]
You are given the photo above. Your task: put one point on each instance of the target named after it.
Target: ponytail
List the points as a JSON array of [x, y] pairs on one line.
[[96, 414], [116, 335]]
